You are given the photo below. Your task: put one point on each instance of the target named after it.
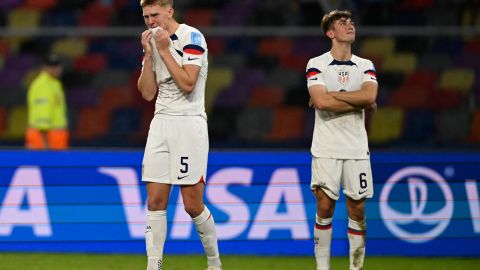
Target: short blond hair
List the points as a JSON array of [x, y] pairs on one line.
[[161, 3], [329, 18]]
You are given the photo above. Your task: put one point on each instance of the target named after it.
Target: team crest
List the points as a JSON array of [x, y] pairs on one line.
[[343, 77]]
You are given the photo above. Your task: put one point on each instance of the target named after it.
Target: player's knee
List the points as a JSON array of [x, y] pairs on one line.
[[325, 209], [356, 211], [324, 212], [193, 210], [357, 216], [156, 203]]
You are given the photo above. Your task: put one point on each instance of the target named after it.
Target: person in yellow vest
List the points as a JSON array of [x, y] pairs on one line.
[[47, 111]]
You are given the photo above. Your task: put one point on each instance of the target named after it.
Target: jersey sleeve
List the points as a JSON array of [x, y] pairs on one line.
[[194, 48], [313, 75], [369, 72]]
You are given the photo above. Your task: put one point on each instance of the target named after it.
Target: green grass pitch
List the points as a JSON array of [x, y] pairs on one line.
[[40, 261]]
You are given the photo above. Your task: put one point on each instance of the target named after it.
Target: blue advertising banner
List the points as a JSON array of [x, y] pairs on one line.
[[425, 204]]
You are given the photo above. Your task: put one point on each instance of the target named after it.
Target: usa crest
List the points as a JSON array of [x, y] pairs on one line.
[[343, 77]]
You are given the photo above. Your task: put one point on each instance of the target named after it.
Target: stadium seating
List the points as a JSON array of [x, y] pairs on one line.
[[218, 79], [200, 17], [419, 126], [233, 61], [453, 125], [23, 17], [386, 125], [275, 46], [256, 93], [124, 123], [254, 123], [461, 80], [3, 120], [96, 14], [411, 97], [434, 61], [16, 124], [474, 135], [221, 123], [40, 4], [92, 123], [378, 48], [70, 47], [265, 96], [92, 63], [10, 4], [111, 78], [81, 96], [237, 94], [287, 125], [400, 62]]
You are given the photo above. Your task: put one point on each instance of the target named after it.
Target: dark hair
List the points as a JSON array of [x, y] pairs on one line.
[[52, 60], [161, 3], [329, 18]]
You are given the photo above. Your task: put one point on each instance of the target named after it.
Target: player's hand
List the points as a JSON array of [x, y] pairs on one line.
[[372, 107], [147, 46], [162, 40], [310, 103]]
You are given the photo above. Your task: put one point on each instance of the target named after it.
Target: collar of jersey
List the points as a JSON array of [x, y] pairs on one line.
[[345, 63]]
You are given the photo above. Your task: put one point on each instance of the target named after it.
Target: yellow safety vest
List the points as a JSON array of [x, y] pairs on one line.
[[46, 103]]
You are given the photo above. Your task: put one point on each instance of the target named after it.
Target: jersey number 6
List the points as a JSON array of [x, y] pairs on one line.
[[363, 181]]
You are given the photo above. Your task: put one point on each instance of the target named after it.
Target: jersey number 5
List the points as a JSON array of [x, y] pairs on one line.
[[183, 162]]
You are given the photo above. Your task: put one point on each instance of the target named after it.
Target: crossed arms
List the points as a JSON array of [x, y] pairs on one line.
[[365, 97]]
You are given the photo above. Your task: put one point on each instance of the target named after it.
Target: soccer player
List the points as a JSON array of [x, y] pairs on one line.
[[47, 109], [175, 69], [341, 85]]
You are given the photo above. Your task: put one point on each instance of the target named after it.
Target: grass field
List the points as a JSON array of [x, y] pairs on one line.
[[17, 261]]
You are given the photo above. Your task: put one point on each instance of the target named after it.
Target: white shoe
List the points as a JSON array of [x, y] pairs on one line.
[[213, 268]]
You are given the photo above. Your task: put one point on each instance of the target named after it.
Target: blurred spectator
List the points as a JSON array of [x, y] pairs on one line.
[[47, 111]]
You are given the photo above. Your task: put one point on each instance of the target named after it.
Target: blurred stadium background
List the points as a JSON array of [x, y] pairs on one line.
[[427, 55]]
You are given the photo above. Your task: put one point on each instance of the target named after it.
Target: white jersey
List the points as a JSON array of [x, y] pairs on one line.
[[340, 135], [188, 47]]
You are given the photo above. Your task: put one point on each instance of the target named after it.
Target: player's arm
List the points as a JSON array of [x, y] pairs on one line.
[[323, 100], [366, 95], [147, 84], [185, 77]]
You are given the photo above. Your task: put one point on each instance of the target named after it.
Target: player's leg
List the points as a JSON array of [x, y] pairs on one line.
[[156, 230], [156, 174], [358, 186], [325, 185], [322, 231], [357, 231], [204, 222], [189, 170]]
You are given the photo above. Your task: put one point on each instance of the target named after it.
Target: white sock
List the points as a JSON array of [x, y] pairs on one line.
[[322, 234], [206, 230], [357, 231], [155, 235]]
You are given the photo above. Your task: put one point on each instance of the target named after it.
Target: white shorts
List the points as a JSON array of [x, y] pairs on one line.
[[176, 151], [355, 176]]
